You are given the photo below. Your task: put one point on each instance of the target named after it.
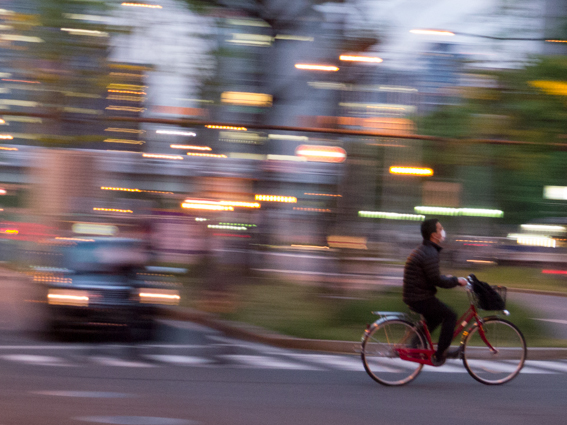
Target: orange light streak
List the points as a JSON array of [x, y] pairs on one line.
[[196, 148]]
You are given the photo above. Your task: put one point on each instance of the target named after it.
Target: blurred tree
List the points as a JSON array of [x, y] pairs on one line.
[[270, 19], [527, 105], [70, 62]]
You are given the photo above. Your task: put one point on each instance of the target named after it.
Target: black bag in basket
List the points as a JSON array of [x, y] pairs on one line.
[[486, 295]]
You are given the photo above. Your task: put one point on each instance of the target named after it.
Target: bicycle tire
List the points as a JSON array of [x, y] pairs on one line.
[[379, 358], [495, 368]]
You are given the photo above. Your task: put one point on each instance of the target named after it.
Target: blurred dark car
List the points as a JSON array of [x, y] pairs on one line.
[[102, 284]]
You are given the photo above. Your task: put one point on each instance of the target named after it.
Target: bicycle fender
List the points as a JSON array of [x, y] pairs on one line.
[[381, 321]]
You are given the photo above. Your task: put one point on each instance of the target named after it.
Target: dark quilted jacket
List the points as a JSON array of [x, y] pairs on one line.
[[421, 273]]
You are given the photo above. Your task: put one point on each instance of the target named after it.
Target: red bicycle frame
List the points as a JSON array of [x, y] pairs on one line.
[[423, 355]]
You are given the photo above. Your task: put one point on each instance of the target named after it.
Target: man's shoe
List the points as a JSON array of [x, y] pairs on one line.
[[453, 353], [437, 360]]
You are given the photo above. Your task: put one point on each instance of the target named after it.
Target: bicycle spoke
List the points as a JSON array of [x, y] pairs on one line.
[[499, 366], [380, 357]]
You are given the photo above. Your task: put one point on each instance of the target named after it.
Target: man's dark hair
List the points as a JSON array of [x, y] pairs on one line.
[[428, 227]]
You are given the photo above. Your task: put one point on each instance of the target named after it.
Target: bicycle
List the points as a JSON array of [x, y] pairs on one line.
[[395, 347]]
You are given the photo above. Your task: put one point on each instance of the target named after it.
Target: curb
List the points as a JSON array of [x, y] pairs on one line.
[[255, 334]]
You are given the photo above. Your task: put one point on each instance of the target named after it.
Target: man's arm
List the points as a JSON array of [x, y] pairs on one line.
[[434, 276]]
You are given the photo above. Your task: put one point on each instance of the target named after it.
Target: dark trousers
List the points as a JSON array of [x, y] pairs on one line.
[[436, 313]]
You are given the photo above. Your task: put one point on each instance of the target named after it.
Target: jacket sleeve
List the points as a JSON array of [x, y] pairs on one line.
[[433, 275]]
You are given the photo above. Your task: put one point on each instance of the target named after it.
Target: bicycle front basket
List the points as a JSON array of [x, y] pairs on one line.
[[489, 297]]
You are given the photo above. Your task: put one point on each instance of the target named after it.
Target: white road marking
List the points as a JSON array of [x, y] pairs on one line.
[[265, 362], [557, 366], [112, 361], [37, 360], [333, 361], [298, 361], [450, 366], [502, 367], [178, 360]]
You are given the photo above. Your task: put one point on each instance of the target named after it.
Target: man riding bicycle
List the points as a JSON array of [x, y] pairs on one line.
[[421, 277]]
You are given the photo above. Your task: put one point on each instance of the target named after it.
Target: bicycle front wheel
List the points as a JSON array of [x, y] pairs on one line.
[[380, 358], [500, 366]]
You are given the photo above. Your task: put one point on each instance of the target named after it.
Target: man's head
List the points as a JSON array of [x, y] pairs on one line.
[[432, 230]]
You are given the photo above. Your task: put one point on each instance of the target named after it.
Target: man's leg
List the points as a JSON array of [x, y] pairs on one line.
[[435, 313]]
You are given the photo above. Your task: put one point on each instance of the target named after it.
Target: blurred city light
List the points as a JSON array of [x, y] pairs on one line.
[[413, 171], [125, 130], [321, 210], [240, 204], [555, 192], [226, 127], [542, 241], [432, 32], [288, 137], [125, 141], [249, 99], [543, 228], [391, 215], [94, 229], [159, 296], [323, 194], [113, 210], [226, 227], [161, 156], [313, 67], [321, 153], [122, 189], [77, 31], [294, 37], [177, 133], [191, 147], [150, 6], [68, 297], [208, 205], [354, 58], [210, 155], [275, 198], [471, 212]]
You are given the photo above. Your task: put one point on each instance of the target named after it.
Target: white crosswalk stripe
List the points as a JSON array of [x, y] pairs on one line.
[[331, 361], [259, 358], [179, 360], [556, 366], [114, 361], [266, 362], [36, 359]]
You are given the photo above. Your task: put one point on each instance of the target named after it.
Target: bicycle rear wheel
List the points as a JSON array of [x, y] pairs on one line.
[[495, 368], [380, 358]]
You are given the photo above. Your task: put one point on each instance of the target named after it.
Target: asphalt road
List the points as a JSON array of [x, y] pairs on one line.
[[241, 383], [194, 375]]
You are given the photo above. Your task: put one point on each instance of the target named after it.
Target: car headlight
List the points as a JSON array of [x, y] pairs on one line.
[[159, 296], [68, 297]]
